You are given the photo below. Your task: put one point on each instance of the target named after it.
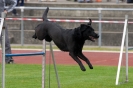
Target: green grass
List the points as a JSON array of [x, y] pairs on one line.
[[29, 76]]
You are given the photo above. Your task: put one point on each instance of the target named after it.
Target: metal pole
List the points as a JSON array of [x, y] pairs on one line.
[[127, 51], [43, 64], [1, 25], [117, 1], [22, 27], [121, 50], [100, 28], [57, 77], [3, 53]]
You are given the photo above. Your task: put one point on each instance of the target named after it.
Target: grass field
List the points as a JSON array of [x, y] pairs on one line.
[[29, 76]]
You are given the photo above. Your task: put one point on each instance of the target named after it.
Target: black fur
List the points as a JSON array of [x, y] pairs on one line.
[[69, 40]]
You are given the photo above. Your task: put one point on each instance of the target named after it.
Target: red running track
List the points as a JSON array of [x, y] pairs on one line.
[[63, 58]]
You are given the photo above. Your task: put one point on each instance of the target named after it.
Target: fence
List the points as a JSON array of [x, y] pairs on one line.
[[81, 9]]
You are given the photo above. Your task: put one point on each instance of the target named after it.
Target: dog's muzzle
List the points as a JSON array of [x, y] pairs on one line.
[[93, 38]]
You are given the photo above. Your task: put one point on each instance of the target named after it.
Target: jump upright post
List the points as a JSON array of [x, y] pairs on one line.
[[124, 40], [3, 49], [24, 54]]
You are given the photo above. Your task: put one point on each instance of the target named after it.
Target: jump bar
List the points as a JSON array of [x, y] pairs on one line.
[[25, 54]]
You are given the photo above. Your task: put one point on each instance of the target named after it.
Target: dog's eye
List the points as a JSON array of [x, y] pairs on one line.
[[91, 29]]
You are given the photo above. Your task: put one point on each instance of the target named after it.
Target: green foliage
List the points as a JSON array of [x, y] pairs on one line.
[[30, 76]]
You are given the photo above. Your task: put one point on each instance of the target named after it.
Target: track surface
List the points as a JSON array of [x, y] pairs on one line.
[[63, 58]]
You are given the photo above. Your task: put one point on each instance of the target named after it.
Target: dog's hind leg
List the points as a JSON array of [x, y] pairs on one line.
[[78, 61], [81, 56], [34, 36]]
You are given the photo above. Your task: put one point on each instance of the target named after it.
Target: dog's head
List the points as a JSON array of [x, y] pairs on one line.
[[88, 32]]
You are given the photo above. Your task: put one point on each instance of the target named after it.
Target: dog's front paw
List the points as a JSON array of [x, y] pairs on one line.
[[83, 69], [91, 67]]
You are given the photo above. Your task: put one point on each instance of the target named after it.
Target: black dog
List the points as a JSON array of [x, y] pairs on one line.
[[69, 40]]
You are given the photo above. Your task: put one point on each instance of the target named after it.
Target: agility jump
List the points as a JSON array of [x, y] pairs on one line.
[[2, 31], [124, 39]]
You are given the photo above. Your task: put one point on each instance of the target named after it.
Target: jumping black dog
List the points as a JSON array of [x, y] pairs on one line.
[[69, 40]]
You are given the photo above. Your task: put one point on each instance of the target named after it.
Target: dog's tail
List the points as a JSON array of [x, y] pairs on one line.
[[44, 17]]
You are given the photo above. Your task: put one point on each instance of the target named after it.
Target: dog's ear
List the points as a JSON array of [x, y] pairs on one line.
[[83, 27], [44, 17], [77, 34], [89, 22]]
